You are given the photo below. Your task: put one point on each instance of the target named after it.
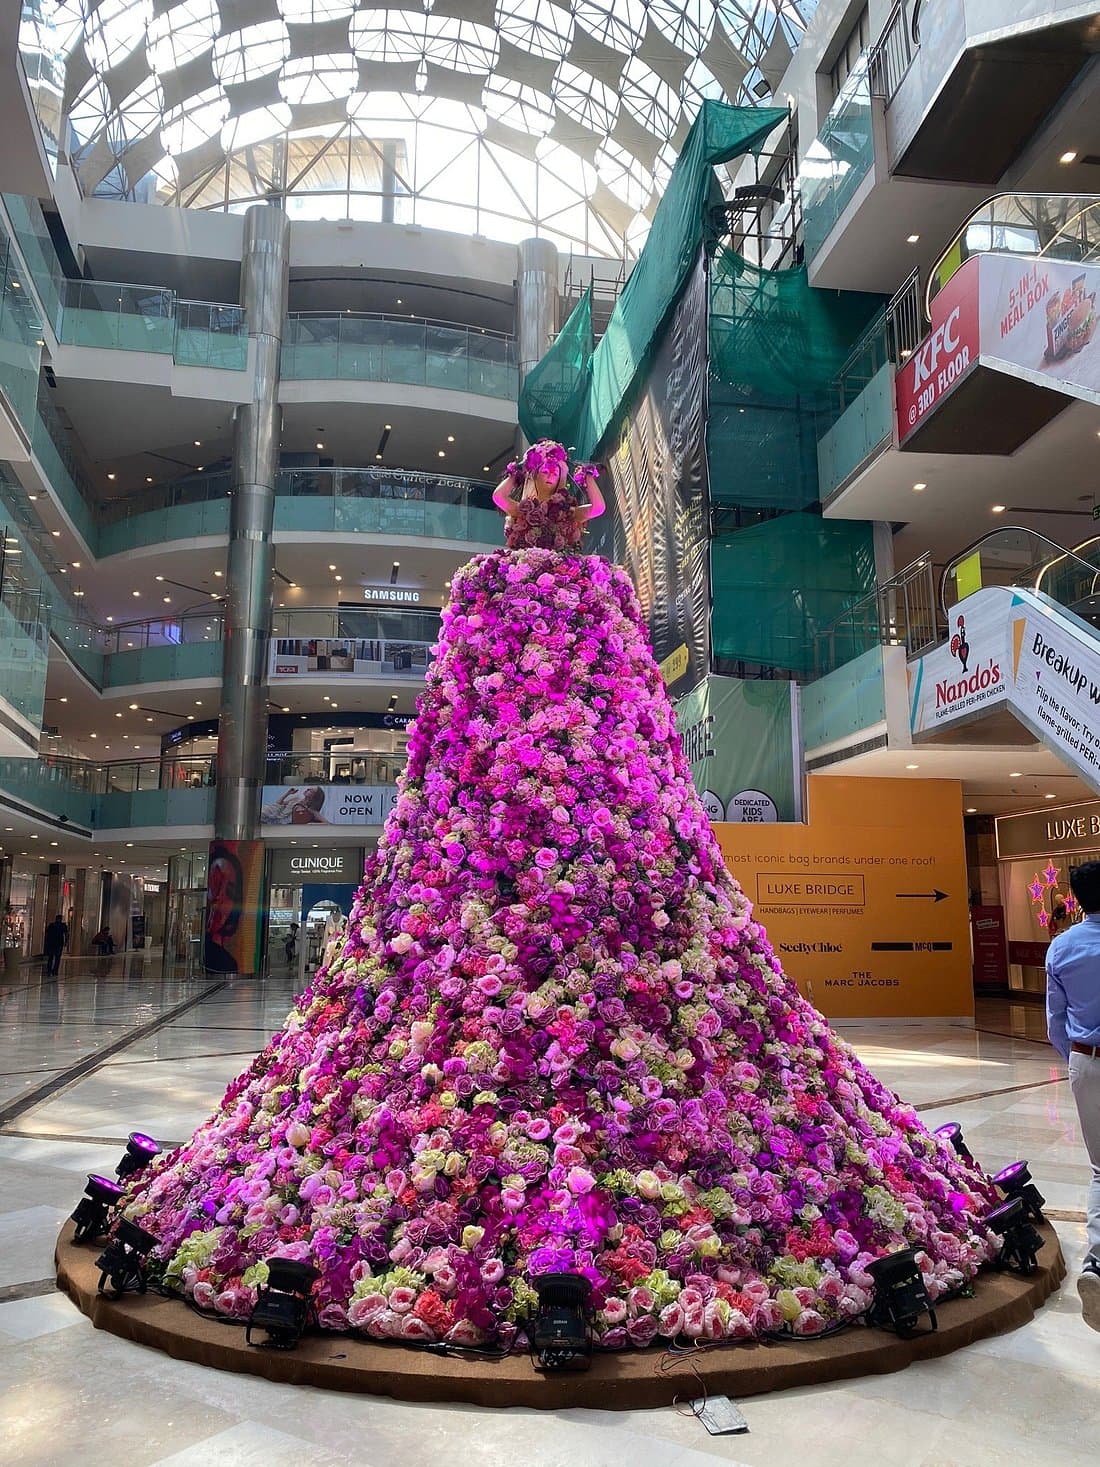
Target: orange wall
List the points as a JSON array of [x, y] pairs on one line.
[[860, 875]]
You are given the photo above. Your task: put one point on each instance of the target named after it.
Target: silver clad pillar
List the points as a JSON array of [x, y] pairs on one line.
[[242, 726], [537, 301]]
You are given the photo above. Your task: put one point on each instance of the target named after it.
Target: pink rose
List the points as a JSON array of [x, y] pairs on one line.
[[203, 1295], [640, 1300], [613, 1311], [580, 1181], [492, 1271], [402, 1299], [362, 1311], [672, 1319], [414, 1328], [641, 1331]]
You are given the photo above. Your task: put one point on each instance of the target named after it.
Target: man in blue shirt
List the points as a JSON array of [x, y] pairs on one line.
[[1073, 1024]]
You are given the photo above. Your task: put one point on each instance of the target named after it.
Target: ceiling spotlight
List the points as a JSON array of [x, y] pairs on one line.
[[912, 238], [158, 578], [1016, 774], [919, 488], [198, 442], [332, 567], [56, 534], [484, 468], [386, 428], [148, 478], [133, 705], [320, 445], [997, 508], [135, 593], [218, 575], [442, 453], [1069, 157], [912, 766], [450, 437], [971, 809], [111, 477], [75, 564], [1050, 797]]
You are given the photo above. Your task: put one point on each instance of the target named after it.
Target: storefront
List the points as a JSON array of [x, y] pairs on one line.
[[1036, 852]]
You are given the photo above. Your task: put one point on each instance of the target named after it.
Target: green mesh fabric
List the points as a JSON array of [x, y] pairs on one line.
[[555, 390], [719, 134], [776, 346], [778, 584]]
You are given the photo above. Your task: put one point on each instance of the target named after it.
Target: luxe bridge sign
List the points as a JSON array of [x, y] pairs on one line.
[[1011, 648]]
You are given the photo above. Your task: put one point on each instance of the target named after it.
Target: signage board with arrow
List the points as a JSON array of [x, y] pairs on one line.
[[870, 920]]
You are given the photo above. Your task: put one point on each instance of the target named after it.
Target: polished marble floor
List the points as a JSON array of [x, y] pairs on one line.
[[108, 1048]]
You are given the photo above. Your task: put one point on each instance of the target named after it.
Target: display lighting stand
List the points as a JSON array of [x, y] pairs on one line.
[[93, 1212], [1015, 1181], [561, 1333], [1020, 1242], [900, 1295], [140, 1150], [122, 1262], [283, 1306], [952, 1133]]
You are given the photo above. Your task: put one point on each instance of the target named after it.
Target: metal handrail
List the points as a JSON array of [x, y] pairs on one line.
[[1034, 573], [400, 320], [899, 612], [1084, 204], [173, 771], [890, 57]]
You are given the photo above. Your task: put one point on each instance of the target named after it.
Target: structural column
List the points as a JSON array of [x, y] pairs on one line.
[[242, 726], [537, 301]]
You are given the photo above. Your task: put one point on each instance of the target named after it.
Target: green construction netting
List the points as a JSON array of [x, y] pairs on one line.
[[554, 391], [776, 346], [776, 586], [719, 134]]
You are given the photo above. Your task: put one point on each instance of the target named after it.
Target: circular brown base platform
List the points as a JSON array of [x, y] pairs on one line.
[[620, 1380]]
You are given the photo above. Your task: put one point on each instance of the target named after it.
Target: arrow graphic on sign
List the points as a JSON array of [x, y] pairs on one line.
[[935, 895]]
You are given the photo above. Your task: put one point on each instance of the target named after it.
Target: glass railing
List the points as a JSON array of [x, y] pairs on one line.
[[24, 635], [37, 248], [1063, 227], [20, 336], [414, 352], [901, 612], [152, 318], [60, 787], [1015, 556], [838, 160], [338, 500]]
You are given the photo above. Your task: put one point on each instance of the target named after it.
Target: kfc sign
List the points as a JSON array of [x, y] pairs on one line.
[[945, 356]]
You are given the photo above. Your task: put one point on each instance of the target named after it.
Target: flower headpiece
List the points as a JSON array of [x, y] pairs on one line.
[[543, 458]]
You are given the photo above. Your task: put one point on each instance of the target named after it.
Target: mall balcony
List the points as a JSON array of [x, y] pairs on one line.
[[947, 103]]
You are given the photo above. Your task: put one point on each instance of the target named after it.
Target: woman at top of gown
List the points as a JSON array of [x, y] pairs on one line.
[[538, 502]]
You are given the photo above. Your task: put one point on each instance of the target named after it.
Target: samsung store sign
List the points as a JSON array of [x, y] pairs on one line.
[[401, 596], [343, 867]]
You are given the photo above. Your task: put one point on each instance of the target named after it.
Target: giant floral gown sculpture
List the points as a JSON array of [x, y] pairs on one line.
[[554, 1037]]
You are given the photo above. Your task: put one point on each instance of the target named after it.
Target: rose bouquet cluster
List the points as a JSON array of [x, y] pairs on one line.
[[556, 1039]]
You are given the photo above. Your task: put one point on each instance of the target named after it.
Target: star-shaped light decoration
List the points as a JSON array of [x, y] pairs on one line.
[[1044, 918], [1036, 890], [1051, 874]]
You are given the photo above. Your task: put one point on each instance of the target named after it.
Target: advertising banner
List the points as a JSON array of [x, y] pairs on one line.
[[659, 491], [969, 673], [346, 657], [234, 897], [327, 804], [1040, 315], [339, 865], [987, 925], [1066, 831], [869, 919], [739, 737], [946, 355]]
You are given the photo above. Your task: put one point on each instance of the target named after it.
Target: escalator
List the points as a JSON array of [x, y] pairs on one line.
[[1022, 655], [1013, 339]]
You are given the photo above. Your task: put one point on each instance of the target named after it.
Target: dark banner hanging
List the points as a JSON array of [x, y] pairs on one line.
[[659, 481]]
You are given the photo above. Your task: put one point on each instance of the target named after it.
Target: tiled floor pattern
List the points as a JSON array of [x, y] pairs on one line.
[[71, 1395]]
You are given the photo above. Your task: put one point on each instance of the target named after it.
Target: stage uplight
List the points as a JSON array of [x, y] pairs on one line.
[[122, 1262], [140, 1150], [952, 1133], [560, 1335], [1020, 1243], [900, 1295], [283, 1307], [1015, 1181], [93, 1212]]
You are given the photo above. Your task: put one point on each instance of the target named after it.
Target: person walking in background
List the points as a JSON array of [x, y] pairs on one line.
[[1073, 1024], [55, 941]]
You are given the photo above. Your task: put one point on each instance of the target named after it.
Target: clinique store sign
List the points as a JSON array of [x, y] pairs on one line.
[[342, 867], [1064, 832]]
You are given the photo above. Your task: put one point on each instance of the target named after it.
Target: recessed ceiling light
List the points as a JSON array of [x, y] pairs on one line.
[[337, 578], [484, 468], [111, 477], [912, 766], [64, 700], [450, 437], [912, 238], [1049, 797], [320, 445], [56, 534], [1016, 774], [110, 618], [386, 427], [972, 809], [133, 705], [442, 453], [76, 565], [198, 442], [32, 497], [1069, 157], [997, 508], [400, 302], [159, 578], [198, 702], [917, 488], [148, 478]]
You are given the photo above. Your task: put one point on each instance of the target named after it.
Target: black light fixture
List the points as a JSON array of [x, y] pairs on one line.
[[93, 1212], [283, 1307], [561, 1337], [1020, 1243], [1015, 1181], [952, 1133], [122, 1262], [140, 1150], [900, 1295]]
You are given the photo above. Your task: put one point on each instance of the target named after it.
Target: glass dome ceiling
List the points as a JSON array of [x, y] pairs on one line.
[[503, 118]]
